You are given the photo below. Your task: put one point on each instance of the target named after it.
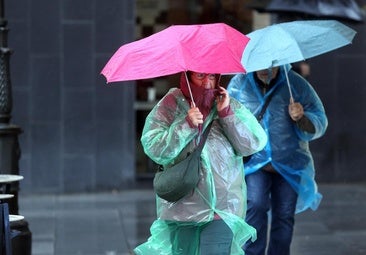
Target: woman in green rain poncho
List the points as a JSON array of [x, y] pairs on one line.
[[210, 220]]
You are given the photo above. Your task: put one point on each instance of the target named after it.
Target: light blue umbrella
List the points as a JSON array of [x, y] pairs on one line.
[[290, 42]]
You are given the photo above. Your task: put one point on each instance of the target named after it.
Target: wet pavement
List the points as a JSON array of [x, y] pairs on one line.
[[114, 223]]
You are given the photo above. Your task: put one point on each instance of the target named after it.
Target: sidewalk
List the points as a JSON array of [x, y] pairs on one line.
[[114, 223]]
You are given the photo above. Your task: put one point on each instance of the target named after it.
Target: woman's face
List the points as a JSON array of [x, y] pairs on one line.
[[267, 75], [205, 80]]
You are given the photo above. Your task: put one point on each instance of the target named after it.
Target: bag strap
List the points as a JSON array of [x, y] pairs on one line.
[[264, 107], [198, 148], [204, 137]]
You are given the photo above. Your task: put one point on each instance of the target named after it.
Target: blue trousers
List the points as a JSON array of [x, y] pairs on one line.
[[213, 238], [270, 192]]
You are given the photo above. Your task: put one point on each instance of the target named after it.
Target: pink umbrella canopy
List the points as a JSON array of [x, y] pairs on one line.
[[206, 48]]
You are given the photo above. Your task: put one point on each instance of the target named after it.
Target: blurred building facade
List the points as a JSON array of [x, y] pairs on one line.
[[81, 134], [76, 129]]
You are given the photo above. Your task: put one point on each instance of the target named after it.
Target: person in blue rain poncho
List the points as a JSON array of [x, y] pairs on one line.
[[281, 177], [210, 220]]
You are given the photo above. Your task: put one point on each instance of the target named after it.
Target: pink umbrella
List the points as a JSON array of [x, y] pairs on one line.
[[206, 48]]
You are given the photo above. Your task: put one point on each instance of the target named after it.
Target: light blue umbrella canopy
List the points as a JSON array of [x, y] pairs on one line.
[[290, 42]]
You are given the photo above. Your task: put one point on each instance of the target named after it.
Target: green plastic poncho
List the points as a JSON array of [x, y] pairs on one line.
[[288, 145], [167, 137]]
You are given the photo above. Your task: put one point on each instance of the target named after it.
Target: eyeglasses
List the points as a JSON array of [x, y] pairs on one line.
[[201, 76]]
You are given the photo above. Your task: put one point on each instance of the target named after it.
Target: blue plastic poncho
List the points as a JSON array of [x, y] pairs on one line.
[[166, 139], [288, 146]]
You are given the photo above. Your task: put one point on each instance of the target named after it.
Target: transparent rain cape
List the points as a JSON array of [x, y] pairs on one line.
[[288, 149], [167, 137]]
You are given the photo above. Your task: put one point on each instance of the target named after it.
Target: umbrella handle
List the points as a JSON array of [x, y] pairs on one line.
[[288, 84], [189, 88]]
